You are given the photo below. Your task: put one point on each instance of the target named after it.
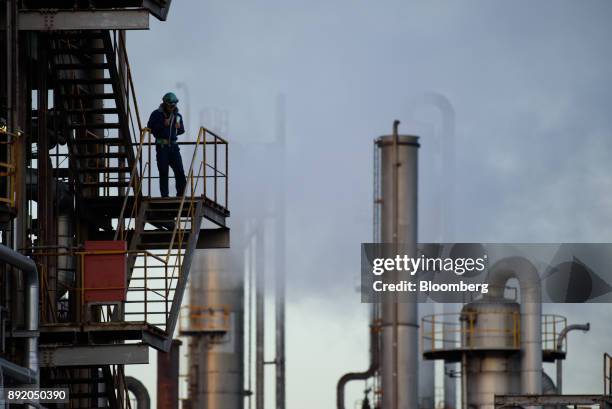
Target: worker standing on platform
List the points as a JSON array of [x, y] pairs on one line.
[[166, 124]]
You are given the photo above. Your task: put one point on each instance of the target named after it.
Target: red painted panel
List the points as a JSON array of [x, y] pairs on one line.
[[104, 275]]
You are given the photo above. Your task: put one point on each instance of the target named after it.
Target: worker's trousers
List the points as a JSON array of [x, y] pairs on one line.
[[169, 155]]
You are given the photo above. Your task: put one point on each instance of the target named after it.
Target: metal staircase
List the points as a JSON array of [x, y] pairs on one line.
[[107, 165], [90, 387], [91, 99]]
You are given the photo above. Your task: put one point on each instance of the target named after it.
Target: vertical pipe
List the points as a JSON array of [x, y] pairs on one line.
[[28, 267], [399, 155], [168, 377], [279, 306], [531, 315], [450, 381], [464, 381], [427, 368], [259, 318], [562, 335]]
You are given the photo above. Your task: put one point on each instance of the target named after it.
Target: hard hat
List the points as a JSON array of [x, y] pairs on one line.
[[170, 98]]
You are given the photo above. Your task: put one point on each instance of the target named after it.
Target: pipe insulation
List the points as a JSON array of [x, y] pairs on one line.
[[531, 315]]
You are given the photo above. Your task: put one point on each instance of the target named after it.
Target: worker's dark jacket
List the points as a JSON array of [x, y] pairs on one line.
[[163, 126]]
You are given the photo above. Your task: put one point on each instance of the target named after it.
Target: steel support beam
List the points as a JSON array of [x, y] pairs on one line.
[[54, 19], [214, 239], [117, 354], [168, 377], [502, 401]]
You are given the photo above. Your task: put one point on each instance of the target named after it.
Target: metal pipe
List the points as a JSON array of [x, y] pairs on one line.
[[399, 344], [143, 400], [30, 271], [464, 375], [355, 376], [450, 369], [531, 315], [562, 335], [260, 277], [280, 262]]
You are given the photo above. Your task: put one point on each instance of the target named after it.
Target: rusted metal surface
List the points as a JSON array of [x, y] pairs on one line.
[[168, 377]]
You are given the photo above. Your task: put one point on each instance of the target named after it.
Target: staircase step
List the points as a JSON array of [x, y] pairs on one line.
[[103, 125], [102, 155], [112, 169], [159, 232], [70, 381], [61, 172], [105, 184], [85, 81], [105, 95], [160, 245], [78, 51], [92, 111], [100, 141], [82, 66]]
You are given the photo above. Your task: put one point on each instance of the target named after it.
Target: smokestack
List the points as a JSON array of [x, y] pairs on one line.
[[399, 364], [168, 377]]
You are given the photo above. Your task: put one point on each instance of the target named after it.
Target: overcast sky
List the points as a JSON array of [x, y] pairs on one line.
[[530, 86]]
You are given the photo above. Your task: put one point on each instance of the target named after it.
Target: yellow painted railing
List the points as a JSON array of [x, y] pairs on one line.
[[473, 330], [147, 296]]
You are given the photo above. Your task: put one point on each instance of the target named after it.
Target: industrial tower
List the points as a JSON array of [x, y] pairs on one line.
[[94, 264]]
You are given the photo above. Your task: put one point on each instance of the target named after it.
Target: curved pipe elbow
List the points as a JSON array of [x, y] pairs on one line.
[[356, 376]]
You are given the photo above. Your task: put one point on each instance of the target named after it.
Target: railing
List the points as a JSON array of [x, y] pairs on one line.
[[148, 296], [7, 167], [483, 330], [184, 220], [205, 179], [552, 324], [207, 175]]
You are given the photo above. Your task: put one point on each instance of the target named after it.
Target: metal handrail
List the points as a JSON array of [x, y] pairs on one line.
[[449, 330], [146, 288]]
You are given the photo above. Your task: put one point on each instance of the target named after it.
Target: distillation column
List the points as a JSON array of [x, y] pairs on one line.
[[217, 355], [399, 363]]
